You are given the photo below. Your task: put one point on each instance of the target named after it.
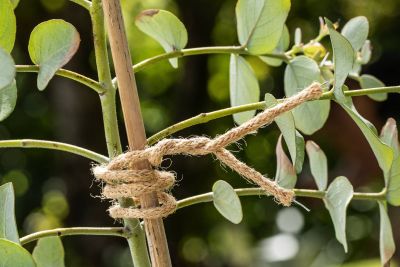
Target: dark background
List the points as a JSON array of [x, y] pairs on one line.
[[56, 189]]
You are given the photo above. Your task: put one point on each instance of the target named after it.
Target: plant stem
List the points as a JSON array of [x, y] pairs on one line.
[[101, 231], [199, 51], [206, 117], [137, 239], [83, 3], [32, 143], [67, 74], [208, 197]]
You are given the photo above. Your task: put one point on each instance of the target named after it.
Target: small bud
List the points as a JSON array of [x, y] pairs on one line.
[[314, 50]]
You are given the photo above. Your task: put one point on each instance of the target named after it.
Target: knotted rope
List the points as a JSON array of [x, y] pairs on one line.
[[123, 181]]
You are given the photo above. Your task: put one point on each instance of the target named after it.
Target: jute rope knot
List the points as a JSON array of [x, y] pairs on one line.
[[124, 181]]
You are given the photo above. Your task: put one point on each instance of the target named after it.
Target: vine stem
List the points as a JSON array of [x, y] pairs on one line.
[[99, 231], [33, 143], [83, 3], [203, 198], [199, 51], [137, 239], [208, 197], [155, 232], [67, 74], [206, 117]]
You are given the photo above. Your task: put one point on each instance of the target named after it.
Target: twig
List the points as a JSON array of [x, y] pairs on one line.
[[67, 74], [32, 143], [100, 231], [208, 197]]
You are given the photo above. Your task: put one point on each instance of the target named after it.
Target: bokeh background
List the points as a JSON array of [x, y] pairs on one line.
[[56, 189]]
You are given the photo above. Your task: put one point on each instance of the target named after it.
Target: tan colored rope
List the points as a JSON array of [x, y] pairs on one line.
[[124, 181]]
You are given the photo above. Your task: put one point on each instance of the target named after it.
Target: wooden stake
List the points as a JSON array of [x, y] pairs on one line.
[[127, 88]]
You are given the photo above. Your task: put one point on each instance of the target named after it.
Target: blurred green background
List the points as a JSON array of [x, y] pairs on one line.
[[55, 189]]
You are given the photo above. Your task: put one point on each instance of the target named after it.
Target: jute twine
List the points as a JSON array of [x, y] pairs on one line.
[[124, 181]]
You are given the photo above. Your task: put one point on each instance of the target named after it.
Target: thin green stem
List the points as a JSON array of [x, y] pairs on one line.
[[99, 231], [67, 74], [32, 143], [206, 117], [137, 239], [83, 3], [199, 51], [208, 197]]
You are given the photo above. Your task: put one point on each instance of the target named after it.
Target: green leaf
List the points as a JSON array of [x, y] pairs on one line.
[[51, 45], [282, 46], [285, 173], [300, 152], [343, 59], [286, 125], [260, 23], [383, 153], [243, 86], [366, 52], [165, 28], [369, 81], [318, 165], [15, 3], [8, 25], [387, 246], [8, 100], [227, 202], [13, 255], [389, 135], [336, 200], [7, 67], [356, 31], [49, 252], [8, 226], [300, 73]]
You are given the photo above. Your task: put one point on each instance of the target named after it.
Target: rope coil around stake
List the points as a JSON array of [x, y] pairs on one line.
[[123, 181]]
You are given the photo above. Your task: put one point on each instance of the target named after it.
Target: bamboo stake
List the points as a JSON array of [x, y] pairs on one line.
[[155, 232]]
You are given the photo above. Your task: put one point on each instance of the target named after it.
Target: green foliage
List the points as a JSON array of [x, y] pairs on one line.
[[260, 23], [51, 45], [337, 198], [369, 81], [8, 226], [389, 135], [318, 164], [227, 202], [8, 25], [49, 252], [15, 3], [356, 31], [7, 67], [164, 27], [286, 125], [343, 59], [243, 86], [282, 46], [285, 173], [383, 152], [386, 243], [300, 73], [8, 100], [13, 255]]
